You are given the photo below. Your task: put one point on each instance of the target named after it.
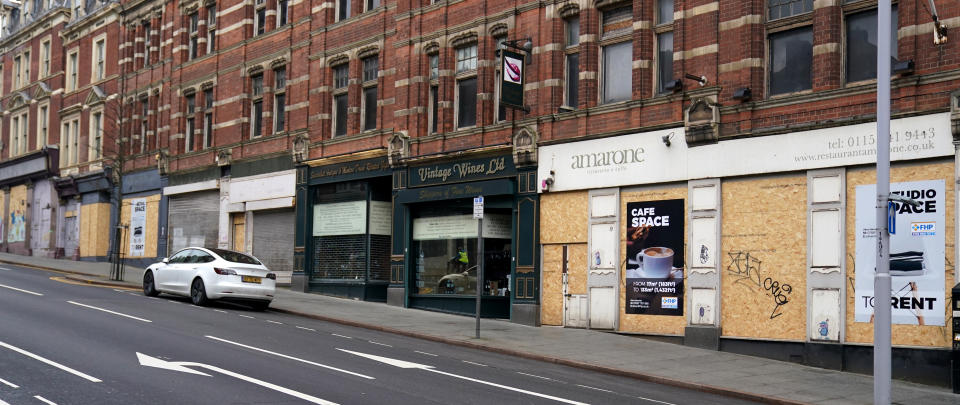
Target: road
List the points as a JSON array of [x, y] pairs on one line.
[[67, 343]]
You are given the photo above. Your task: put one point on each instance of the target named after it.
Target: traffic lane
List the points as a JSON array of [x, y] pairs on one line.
[[115, 359], [43, 282], [105, 347]]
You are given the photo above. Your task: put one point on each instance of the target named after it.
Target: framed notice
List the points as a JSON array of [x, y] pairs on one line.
[[343, 218], [461, 227], [381, 214]]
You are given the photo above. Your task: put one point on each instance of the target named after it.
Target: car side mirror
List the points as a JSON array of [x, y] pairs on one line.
[[165, 260]]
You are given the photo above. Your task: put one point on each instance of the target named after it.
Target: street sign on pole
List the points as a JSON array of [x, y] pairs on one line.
[[478, 207], [891, 217], [478, 214]]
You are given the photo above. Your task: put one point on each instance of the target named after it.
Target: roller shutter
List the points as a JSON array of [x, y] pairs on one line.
[[194, 219], [273, 241]]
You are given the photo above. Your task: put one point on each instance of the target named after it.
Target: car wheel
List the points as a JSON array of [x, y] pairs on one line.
[[198, 294], [149, 289], [260, 305]]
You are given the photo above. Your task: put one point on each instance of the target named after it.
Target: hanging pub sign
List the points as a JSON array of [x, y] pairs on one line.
[[511, 79]]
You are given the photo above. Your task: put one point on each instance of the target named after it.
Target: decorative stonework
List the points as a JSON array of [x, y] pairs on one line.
[[301, 148], [224, 156], [398, 148], [163, 161], [955, 116], [701, 121], [525, 146]]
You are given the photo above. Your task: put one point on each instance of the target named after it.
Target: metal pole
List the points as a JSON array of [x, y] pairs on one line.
[[479, 270], [881, 284]]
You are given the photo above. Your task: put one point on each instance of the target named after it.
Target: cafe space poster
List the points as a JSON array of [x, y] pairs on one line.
[[917, 254], [654, 257]]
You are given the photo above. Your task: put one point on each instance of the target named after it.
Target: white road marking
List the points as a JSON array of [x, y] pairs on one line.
[[119, 291], [21, 290], [594, 388], [9, 384], [428, 354], [536, 376], [378, 343], [3, 403], [44, 400], [278, 323], [220, 311], [181, 366], [345, 337], [654, 400], [476, 364], [248, 316], [5, 269], [50, 362], [301, 327], [291, 358], [408, 364], [109, 311]]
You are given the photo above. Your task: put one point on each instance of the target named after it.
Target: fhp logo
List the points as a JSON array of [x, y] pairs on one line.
[[923, 228]]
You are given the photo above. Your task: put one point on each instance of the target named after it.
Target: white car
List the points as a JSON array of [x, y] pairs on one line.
[[209, 274]]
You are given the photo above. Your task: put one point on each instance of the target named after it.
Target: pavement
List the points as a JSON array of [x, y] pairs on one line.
[[735, 375]]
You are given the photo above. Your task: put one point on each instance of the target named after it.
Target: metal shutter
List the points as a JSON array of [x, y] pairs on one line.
[[194, 220], [273, 241]]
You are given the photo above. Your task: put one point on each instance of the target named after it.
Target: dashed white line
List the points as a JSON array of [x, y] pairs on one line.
[[654, 400], [5, 269], [378, 343], [9, 384], [345, 337], [476, 364], [220, 311], [594, 388], [3, 403], [304, 328], [248, 316], [278, 323], [21, 290], [291, 358], [425, 353], [536, 376], [50, 362], [109, 311], [119, 291], [44, 400]]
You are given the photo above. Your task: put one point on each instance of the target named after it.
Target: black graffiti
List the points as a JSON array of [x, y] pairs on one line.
[[748, 271]]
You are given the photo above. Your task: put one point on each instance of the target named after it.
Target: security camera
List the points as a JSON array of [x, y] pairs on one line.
[[666, 139], [547, 182]]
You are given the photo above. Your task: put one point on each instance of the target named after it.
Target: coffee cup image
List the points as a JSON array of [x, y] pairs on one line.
[[657, 262]]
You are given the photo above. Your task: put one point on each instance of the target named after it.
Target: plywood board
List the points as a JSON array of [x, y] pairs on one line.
[[653, 324], [763, 257], [153, 210], [551, 275], [16, 218], [94, 230], [564, 217], [908, 335]]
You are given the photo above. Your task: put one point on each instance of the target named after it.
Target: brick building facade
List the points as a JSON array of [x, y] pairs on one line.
[[354, 134]]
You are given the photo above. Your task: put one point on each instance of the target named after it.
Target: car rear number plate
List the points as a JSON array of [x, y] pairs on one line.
[[251, 279]]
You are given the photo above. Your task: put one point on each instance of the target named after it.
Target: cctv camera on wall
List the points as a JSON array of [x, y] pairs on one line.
[[546, 183]]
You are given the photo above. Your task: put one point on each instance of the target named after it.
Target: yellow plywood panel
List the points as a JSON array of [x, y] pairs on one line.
[[564, 217], [94, 230], [551, 305], [577, 268], [3, 222], [16, 218], [653, 324], [764, 257], [908, 335]]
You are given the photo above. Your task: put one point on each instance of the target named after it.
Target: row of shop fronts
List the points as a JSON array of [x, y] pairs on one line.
[[760, 245]]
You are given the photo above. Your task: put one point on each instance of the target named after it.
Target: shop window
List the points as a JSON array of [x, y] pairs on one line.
[[571, 62], [446, 262], [351, 233], [617, 54], [861, 49]]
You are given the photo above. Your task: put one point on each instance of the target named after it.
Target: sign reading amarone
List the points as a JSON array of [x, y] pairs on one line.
[[645, 158]]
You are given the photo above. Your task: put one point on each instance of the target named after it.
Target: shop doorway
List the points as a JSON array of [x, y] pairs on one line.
[[238, 227]]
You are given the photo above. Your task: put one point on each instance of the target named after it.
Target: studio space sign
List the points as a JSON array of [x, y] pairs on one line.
[[655, 254], [917, 254]]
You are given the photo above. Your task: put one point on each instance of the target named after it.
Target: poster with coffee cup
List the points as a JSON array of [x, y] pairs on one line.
[[655, 253]]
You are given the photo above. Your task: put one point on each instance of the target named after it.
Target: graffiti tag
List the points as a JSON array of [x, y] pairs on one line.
[[748, 271]]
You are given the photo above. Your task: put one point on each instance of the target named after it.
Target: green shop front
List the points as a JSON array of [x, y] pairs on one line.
[[343, 232], [435, 258]]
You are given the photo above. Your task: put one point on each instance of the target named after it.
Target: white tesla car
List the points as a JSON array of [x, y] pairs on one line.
[[209, 274]]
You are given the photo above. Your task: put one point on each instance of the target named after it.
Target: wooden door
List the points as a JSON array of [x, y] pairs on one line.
[[239, 230]]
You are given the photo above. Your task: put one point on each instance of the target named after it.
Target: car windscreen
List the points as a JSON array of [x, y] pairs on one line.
[[235, 257]]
